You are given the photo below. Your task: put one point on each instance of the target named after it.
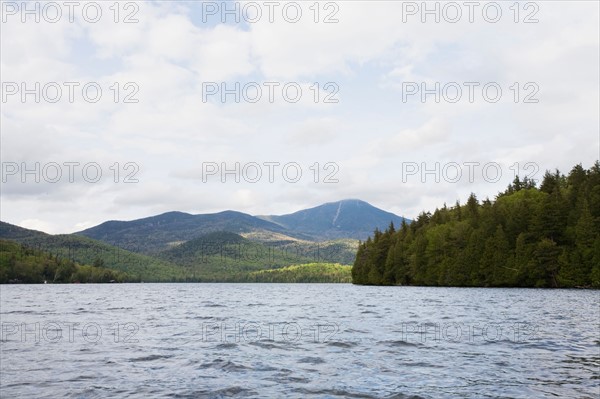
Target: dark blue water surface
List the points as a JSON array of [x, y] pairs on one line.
[[297, 340]]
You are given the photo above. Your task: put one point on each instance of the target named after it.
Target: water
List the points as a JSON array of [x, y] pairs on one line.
[[305, 340]]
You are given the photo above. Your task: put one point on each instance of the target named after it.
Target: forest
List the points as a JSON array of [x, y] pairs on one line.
[[528, 236], [22, 264], [305, 273]]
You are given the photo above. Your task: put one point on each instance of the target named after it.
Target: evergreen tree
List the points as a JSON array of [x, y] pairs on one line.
[[546, 256], [528, 236], [473, 210]]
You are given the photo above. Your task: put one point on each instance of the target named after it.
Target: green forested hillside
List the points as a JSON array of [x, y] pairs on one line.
[[346, 219], [225, 256], [213, 257], [158, 233], [22, 264], [546, 236], [306, 273], [84, 250], [293, 251]]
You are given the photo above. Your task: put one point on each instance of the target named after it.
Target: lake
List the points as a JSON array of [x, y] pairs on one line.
[[297, 340]]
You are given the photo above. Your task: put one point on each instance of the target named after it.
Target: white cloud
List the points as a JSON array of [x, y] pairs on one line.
[[369, 53]]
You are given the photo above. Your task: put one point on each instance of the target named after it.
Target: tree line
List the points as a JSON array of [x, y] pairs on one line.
[[23, 264], [529, 236], [305, 273]]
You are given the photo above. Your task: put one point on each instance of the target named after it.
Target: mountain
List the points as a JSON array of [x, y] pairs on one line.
[[208, 256], [218, 256], [348, 219], [154, 234], [224, 246], [342, 219], [22, 264], [225, 256], [87, 251], [304, 273]]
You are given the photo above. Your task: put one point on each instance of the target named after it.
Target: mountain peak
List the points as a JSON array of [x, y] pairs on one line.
[[348, 218], [350, 201]]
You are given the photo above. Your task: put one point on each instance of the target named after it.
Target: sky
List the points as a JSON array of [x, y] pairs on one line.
[[118, 111]]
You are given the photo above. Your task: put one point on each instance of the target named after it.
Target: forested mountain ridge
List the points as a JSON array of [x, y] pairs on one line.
[[546, 236], [346, 219], [223, 246], [29, 256], [87, 251], [154, 234], [23, 264]]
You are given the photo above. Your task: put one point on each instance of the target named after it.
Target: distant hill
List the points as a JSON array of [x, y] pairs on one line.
[[225, 256], [217, 256], [348, 219], [342, 219], [87, 251], [305, 273], [22, 264], [224, 246], [154, 234]]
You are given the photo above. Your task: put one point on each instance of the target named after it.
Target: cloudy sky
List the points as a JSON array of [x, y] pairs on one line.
[[130, 110]]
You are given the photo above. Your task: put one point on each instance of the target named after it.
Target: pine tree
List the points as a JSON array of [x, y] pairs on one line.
[[546, 237], [546, 256], [595, 273], [458, 211], [576, 263], [473, 210]]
